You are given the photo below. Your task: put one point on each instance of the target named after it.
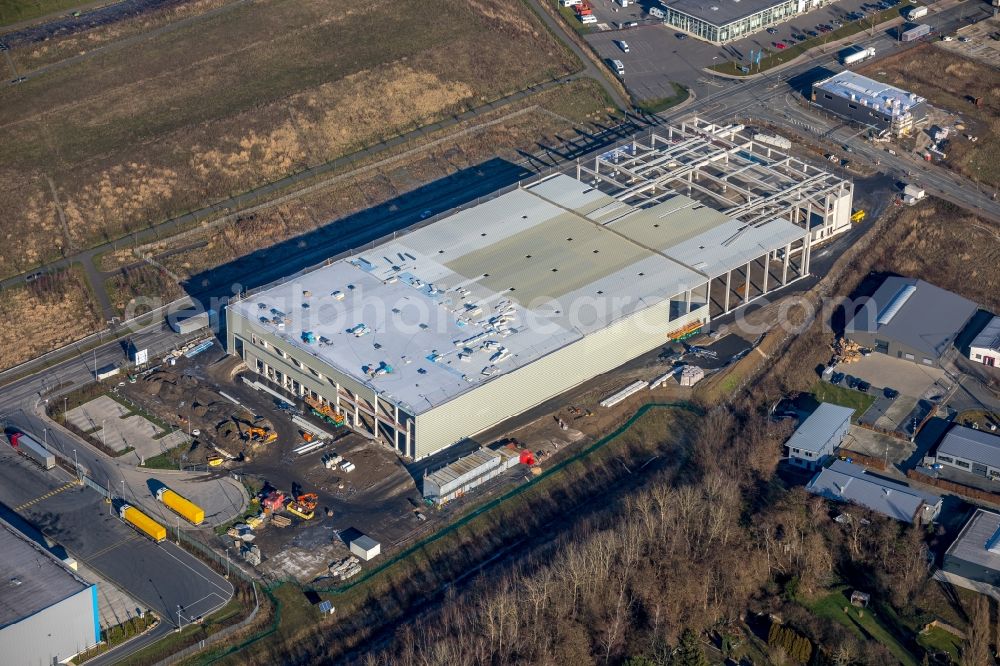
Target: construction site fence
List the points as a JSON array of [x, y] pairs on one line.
[[458, 524], [215, 638]]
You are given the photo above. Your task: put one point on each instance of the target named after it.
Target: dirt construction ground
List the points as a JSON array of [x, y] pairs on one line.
[[950, 81]]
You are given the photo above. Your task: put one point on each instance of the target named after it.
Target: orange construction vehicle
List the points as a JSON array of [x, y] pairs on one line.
[[304, 506]]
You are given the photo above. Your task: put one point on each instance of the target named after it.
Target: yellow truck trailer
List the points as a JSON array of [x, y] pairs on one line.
[[184, 508], [143, 523]]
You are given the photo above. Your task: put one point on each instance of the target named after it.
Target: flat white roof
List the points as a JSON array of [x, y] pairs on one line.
[[886, 99], [492, 288]]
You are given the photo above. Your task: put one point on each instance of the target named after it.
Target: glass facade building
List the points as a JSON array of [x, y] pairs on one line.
[[723, 21]]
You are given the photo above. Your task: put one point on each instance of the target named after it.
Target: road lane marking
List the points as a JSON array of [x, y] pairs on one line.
[[71, 484]]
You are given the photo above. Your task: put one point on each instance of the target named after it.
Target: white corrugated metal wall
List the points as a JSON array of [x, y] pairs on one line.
[[520, 390]]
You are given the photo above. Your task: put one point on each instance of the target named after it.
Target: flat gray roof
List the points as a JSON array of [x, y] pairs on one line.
[[720, 12], [886, 99], [971, 444], [914, 313], [974, 541], [989, 337], [480, 458], [32, 578], [492, 288], [819, 427], [845, 482]]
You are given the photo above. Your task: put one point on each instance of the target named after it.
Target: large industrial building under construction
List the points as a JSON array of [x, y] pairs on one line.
[[450, 328]]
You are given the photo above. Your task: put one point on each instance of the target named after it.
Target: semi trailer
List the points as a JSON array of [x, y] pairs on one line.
[[183, 507], [142, 523], [30, 448]]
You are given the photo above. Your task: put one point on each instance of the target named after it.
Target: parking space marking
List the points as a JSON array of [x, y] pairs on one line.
[[71, 484], [107, 549]]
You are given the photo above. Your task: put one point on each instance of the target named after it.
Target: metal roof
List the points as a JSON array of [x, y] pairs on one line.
[[721, 12], [481, 458], [927, 320], [32, 578], [494, 287], [881, 97], [989, 337], [365, 542], [970, 444], [813, 433], [845, 482], [972, 544]]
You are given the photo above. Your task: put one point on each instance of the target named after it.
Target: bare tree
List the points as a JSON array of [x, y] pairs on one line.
[[977, 644]]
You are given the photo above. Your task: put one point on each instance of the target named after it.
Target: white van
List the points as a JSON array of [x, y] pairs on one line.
[[623, 45], [587, 18], [618, 67]]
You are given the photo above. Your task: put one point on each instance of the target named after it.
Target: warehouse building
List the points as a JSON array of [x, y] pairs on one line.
[[969, 450], [454, 327], [973, 560], [887, 109], [985, 348], [910, 319], [818, 437], [723, 21], [47, 613], [846, 482]]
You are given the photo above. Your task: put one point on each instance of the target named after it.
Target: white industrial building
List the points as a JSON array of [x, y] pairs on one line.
[[454, 327], [985, 348], [48, 614]]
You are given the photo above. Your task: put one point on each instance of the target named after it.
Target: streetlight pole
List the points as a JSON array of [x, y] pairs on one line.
[[104, 441], [76, 464], [178, 617]]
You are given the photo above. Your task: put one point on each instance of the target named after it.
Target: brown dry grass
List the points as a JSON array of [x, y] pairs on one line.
[[949, 247], [234, 101], [582, 99], [946, 79], [49, 313]]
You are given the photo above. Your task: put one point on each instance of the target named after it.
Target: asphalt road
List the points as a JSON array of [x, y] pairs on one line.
[[162, 576]]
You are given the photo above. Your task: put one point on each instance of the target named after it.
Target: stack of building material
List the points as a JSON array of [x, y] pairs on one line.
[[691, 375]]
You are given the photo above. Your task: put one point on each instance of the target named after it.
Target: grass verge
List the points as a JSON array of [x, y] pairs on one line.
[[663, 103], [15, 11], [938, 641], [116, 635]]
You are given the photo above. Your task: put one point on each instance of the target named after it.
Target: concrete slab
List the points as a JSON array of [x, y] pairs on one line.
[[906, 377], [876, 445], [90, 416]]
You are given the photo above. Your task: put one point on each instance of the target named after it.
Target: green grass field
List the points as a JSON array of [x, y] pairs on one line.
[[937, 640], [863, 622], [13, 11], [838, 395]]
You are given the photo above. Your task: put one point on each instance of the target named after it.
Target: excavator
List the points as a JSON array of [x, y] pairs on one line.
[[252, 432], [304, 506]]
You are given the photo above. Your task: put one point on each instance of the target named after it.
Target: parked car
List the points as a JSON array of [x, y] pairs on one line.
[[812, 33], [779, 45], [772, 31], [799, 37], [863, 386], [836, 377], [852, 381], [623, 45], [890, 393], [681, 35]]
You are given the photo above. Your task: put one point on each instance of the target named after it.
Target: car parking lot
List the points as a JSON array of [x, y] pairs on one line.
[[660, 55]]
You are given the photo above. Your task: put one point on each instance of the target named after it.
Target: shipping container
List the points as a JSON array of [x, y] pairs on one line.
[[106, 372], [142, 522], [185, 508], [29, 447], [185, 322]]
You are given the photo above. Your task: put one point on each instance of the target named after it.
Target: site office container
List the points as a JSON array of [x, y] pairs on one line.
[[29, 447]]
